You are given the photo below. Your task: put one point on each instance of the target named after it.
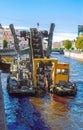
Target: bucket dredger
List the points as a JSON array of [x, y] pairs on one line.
[[42, 72], [43, 68]]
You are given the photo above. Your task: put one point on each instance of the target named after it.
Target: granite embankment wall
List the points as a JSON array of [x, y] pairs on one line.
[[74, 55], [2, 109]]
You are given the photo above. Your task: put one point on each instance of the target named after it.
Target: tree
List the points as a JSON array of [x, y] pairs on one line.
[[5, 43], [79, 43], [67, 44]]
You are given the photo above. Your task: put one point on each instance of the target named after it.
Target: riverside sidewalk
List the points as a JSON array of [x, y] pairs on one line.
[[2, 112]]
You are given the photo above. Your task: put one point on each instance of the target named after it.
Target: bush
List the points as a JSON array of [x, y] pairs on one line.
[[79, 43], [5, 43], [67, 44]]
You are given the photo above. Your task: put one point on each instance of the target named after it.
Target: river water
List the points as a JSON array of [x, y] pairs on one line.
[[50, 112]]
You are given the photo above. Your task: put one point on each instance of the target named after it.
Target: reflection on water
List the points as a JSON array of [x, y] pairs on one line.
[[50, 112]]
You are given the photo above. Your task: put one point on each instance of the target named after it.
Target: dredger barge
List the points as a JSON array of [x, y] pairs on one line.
[[39, 74]]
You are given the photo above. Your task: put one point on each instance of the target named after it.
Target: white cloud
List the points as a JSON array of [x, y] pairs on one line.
[[21, 27], [18, 27], [64, 36]]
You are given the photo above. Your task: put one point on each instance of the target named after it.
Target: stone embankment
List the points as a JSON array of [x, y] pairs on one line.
[[2, 111], [78, 55]]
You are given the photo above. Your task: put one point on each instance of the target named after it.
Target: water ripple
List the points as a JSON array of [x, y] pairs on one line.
[[50, 112]]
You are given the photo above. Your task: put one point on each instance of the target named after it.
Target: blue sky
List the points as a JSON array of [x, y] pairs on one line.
[[66, 14]]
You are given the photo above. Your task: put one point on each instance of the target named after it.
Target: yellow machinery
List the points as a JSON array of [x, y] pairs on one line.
[[53, 73], [60, 71]]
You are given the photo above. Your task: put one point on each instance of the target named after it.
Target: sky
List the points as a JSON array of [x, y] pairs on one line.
[[66, 14]]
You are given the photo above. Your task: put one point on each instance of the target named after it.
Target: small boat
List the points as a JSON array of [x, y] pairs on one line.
[[61, 51], [65, 89]]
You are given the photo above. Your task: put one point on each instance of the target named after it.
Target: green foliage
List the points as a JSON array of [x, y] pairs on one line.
[[57, 49], [67, 44], [5, 43], [72, 48], [62, 48], [79, 43]]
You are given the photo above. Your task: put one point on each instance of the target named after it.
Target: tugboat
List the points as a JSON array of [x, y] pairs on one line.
[[65, 89]]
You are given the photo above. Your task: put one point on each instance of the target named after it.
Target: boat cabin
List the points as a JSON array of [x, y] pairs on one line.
[[62, 72], [56, 72]]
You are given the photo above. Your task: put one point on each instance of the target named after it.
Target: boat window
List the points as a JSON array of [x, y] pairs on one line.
[[65, 71], [58, 71]]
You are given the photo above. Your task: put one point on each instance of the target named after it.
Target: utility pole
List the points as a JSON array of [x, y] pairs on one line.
[[50, 37], [38, 26]]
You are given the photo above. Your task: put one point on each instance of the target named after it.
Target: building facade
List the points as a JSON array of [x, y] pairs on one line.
[[1, 37], [57, 45], [7, 35], [80, 30]]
